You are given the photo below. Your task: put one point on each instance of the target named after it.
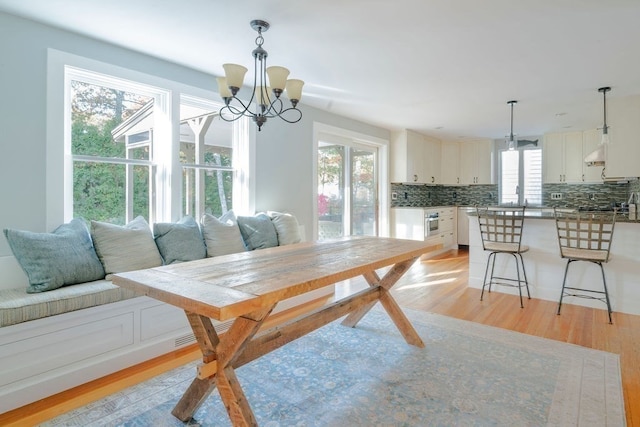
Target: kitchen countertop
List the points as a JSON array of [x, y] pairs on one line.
[[547, 213]]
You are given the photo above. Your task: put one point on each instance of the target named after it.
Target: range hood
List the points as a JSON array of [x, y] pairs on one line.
[[596, 157]]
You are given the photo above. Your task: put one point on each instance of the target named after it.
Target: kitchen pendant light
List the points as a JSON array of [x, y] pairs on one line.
[[605, 129], [268, 84], [511, 140], [598, 156]]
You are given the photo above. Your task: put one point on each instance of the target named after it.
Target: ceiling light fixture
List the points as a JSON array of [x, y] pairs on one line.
[[266, 93], [605, 129], [598, 156], [511, 139]]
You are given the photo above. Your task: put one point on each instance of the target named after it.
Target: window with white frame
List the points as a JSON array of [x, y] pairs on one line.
[[521, 176], [123, 155], [206, 156]]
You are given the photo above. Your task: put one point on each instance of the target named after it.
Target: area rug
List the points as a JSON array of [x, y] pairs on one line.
[[467, 375]]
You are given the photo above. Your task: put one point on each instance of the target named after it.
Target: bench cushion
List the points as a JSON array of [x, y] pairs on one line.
[[17, 306]]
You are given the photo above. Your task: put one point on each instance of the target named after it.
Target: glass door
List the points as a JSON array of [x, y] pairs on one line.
[[347, 191]]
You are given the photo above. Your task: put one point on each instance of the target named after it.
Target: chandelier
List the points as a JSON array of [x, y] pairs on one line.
[[267, 93], [511, 139]]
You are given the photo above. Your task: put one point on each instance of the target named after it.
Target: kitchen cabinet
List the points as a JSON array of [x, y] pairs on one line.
[[415, 158], [447, 226], [623, 117], [407, 223], [407, 157], [476, 162], [450, 163], [463, 226], [590, 141], [563, 158], [432, 154]]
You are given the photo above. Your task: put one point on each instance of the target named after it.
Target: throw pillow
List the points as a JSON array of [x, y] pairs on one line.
[[287, 228], [258, 231], [52, 260], [179, 242], [222, 236], [125, 248]]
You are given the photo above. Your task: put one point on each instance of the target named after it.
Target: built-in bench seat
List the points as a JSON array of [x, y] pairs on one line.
[[54, 340], [16, 305]]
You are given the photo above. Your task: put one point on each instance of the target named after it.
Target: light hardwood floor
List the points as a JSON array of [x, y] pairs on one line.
[[437, 285]]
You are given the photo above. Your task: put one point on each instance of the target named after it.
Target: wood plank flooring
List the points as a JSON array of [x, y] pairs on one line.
[[438, 285]]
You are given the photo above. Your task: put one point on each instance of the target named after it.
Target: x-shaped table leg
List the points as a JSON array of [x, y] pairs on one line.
[[223, 350], [390, 305]]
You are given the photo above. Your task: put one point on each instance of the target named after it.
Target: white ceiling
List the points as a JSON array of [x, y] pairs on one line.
[[442, 67]]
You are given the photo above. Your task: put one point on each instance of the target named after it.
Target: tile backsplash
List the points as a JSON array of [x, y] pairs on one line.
[[573, 195]]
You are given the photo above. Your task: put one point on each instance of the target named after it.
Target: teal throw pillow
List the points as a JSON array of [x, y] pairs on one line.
[[52, 260], [258, 231], [180, 241]]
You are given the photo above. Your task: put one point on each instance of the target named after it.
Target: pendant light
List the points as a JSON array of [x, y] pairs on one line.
[[511, 139], [605, 129]]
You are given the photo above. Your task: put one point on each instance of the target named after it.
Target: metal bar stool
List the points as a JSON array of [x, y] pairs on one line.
[[501, 233], [585, 236]]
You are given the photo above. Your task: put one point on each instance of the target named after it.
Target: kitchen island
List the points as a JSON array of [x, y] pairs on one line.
[[545, 268]]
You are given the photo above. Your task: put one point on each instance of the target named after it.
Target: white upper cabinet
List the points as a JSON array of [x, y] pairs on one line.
[[415, 158], [432, 159], [476, 159], [563, 157], [623, 154], [407, 157], [450, 164]]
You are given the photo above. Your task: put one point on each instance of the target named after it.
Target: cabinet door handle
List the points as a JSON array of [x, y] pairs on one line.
[[458, 180], [433, 179], [582, 177], [415, 178]]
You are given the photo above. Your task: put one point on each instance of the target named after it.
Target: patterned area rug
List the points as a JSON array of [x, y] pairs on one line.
[[468, 374]]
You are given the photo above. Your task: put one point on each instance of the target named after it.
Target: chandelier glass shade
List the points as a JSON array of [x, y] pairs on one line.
[[511, 139], [269, 83]]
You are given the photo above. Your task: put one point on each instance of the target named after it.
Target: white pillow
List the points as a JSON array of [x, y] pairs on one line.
[[125, 248], [286, 227], [222, 236]]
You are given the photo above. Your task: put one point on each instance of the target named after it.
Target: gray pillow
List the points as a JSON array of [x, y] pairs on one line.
[[258, 231], [179, 242], [125, 248], [222, 236], [286, 228], [52, 260]]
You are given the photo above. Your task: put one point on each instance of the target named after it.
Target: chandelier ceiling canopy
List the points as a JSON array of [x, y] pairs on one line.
[[269, 83]]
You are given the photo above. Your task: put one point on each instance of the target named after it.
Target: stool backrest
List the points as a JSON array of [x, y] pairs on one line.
[[501, 225], [584, 231]]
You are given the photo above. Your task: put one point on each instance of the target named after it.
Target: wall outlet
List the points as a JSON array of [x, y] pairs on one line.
[[394, 196], [556, 196]]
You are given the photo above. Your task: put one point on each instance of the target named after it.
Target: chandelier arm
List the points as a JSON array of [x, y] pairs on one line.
[[285, 111]]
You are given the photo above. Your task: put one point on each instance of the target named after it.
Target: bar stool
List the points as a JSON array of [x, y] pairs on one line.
[[585, 236], [501, 233]]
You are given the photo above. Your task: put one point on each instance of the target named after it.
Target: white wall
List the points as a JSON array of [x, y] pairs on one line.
[[283, 152]]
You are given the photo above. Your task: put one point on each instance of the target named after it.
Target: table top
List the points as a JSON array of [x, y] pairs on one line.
[[228, 286]]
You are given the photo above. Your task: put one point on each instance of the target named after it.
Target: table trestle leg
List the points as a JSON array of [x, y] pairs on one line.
[[393, 310], [221, 351]]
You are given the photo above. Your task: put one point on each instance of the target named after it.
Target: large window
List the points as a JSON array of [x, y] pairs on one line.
[[124, 157], [347, 190], [206, 155], [521, 176]]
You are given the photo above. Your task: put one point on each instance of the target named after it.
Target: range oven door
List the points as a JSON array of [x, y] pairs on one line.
[[431, 226]]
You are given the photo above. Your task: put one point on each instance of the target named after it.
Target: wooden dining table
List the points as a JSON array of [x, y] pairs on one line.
[[246, 287]]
